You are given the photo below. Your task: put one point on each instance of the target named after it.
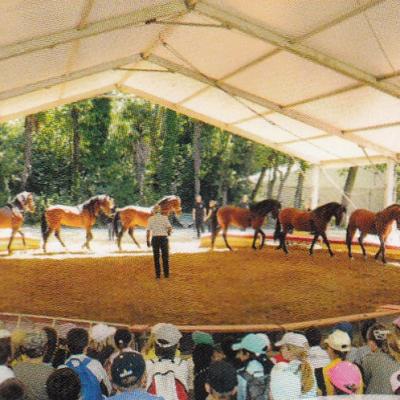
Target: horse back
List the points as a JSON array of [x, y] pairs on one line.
[[298, 219], [363, 220], [230, 215], [10, 218], [132, 216]]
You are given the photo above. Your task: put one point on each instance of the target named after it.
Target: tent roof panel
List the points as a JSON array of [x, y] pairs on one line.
[[390, 135]]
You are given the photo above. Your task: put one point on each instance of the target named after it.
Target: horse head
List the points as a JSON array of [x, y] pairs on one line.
[[339, 214], [106, 204], [170, 204], [26, 201]]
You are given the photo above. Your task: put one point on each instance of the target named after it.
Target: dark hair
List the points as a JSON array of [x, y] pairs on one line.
[[77, 340], [51, 346], [122, 338], [365, 326], [313, 336], [63, 384], [202, 356], [167, 353], [340, 354], [12, 389], [5, 350]]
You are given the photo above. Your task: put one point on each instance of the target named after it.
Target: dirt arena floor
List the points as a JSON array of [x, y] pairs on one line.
[[218, 287]]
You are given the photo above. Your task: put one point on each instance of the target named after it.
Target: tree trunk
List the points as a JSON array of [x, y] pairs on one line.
[[349, 185], [197, 156], [298, 196], [259, 183], [271, 182], [31, 124], [141, 153], [76, 140], [283, 178]]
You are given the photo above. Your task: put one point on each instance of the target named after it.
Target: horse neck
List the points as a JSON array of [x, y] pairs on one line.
[[265, 210], [327, 213], [391, 215]]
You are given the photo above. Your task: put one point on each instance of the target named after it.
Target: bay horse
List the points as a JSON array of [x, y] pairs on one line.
[[132, 216], [12, 215], [368, 222], [81, 216], [253, 216], [314, 221]]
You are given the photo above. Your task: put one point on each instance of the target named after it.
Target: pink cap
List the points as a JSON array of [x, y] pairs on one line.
[[396, 322], [395, 381], [345, 376]]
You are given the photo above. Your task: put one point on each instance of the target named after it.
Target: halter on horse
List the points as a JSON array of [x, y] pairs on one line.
[[81, 216], [315, 221], [243, 218]]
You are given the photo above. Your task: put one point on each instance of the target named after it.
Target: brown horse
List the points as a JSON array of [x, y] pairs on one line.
[[368, 222], [315, 221], [244, 218], [81, 216], [132, 216], [12, 215]]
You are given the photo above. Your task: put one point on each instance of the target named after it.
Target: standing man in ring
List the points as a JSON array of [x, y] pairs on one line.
[[158, 230]]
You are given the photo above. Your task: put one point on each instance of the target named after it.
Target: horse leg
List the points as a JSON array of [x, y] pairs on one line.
[[263, 238], [45, 238], [13, 232], [58, 236], [119, 237], [311, 249], [349, 239], [283, 242], [22, 237], [382, 249], [256, 231], [89, 237], [226, 239], [130, 232], [360, 241], [326, 241]]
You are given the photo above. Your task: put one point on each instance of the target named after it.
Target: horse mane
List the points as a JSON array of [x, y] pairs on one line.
[[166, 199], [16, 202], [264, 206], [395, 205], [327, 206], [89, 205]]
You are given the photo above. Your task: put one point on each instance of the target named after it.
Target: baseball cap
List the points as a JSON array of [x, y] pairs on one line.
[[344, 327], [5, 334], [100, 332], [127, 369], [251, 342], [339, 341], [166, 335], [222, 377], [395, 381], [265, 337], [294, 339], [202, 338], [396, 322], [35, 340], [345, 376]]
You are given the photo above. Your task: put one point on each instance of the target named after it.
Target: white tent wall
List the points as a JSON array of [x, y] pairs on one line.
[[318, 80]]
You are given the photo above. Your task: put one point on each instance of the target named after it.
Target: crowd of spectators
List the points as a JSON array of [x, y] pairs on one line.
[[104, 362]]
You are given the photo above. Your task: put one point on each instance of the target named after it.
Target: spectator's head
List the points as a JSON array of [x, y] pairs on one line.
[[102, 335], [166, 337], [376, 337], [12, 389], [338, 345], [212, 203], [186, 344], [221, 383], [395, 382], [294, 346], [313, 336], [34, 344], [5, 351], [365, 326], [202, 338], [218, 353], [346, 327], [51, 344], [63, 384], [128, 371], [122, 338], [267, 342], [396, 324], [198, 198], [202, 356], [345, 378], [226, 345], [249, 347], [77, 340]]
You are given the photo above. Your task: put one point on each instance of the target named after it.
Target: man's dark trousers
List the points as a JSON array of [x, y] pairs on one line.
[[160, 243]]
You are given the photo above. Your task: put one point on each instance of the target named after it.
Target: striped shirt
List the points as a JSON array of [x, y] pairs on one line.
[[159, 225]]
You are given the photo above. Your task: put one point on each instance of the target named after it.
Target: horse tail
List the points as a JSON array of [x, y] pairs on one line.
[[43, 225], [278, 230], [115, 222]]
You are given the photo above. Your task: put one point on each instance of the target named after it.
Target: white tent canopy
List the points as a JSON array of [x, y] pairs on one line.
[[316, 79]]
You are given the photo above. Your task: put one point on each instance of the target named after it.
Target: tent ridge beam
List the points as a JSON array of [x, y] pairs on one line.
[[296, 115], [269, 36], [142, 16]]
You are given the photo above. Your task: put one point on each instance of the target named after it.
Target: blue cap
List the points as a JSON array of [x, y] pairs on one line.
[[251, 342], [346, 327]]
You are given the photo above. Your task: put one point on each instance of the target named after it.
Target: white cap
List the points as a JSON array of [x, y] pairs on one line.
[[265, 338], [339, 341], [168, 333], [4, 333], [100, 332], [294, 339]]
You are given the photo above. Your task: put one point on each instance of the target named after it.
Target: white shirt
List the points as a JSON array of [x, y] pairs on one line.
[[96, 368], [159, 225], [6, 373]]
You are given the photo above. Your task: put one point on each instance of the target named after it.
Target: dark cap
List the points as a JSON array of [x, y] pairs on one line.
[[222, 377], [127, 369]]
